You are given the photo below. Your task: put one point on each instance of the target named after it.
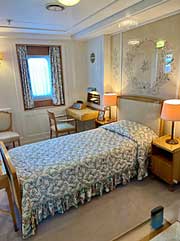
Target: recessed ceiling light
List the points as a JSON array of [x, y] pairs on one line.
[[69, 3], [128, 23], [54, 7]]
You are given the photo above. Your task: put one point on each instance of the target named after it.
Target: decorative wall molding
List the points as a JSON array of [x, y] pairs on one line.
[[141, 6], [116, 64]]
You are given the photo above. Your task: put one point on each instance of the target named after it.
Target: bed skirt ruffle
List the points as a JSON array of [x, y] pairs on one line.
[[60, 205]]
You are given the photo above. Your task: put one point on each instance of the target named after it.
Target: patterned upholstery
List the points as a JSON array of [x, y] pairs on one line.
[[5, 122], [7, 135], [63, 127]]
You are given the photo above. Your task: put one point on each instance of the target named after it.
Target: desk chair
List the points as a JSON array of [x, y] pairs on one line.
[[7, 135], [61, 124], [4, 184]]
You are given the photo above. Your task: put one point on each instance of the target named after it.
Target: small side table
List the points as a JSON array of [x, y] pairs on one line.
[[104, 122], [166, 160]]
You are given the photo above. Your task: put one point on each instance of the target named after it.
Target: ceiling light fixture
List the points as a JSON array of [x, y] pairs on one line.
[[69, 3], [54, 7], [133, 42], [128, 23]]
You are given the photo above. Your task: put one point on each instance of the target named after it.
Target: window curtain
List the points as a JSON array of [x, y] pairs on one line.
[[56, 75], [25, 77]]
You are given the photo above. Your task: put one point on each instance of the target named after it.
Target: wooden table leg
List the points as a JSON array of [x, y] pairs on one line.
[[19, 143]]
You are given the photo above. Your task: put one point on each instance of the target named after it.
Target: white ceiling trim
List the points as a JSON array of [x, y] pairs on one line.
[[98, 15], [31, 30], [77, 27], [150, 21], [117, 17], [85, 29]]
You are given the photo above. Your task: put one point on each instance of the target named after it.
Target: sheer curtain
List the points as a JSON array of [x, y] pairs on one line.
[[56, 76], [40, 76], [25, 77]]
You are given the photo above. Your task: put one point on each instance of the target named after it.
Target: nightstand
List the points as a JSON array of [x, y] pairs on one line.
[[104, 122], [166, 160]]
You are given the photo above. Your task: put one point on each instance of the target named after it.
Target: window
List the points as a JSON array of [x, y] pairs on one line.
[[168, 63], [40, 77]]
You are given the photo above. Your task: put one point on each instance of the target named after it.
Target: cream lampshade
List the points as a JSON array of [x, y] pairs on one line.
[[110, 99], [171, 112]]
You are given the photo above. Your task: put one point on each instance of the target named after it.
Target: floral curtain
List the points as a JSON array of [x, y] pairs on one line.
[[56, 75], [25, 77]]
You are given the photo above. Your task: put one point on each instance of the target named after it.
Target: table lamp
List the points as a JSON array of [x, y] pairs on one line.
[[171, 112], [1, 57], [110, 99]]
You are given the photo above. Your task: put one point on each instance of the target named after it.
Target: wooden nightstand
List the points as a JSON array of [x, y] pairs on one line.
[[166, 160], [104, 122]]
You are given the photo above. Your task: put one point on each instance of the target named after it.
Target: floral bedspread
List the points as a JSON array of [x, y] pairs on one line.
[[140, 134], [63, 172]]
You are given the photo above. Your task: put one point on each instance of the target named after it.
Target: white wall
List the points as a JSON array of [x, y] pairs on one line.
[[99, 73], [96, 70], [33, 125]]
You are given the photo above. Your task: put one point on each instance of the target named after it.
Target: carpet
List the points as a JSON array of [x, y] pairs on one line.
[[102, 219]]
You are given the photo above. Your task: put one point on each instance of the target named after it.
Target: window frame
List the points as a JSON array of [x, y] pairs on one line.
[[45, 102]]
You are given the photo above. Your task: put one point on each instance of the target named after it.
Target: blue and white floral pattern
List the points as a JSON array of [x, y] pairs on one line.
[[140, 134], [25, 77], [61, 173]]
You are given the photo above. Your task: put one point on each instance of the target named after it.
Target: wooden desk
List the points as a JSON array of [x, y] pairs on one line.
[[85, 114]]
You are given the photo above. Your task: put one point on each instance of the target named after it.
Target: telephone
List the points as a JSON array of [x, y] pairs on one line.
[[79, 105]]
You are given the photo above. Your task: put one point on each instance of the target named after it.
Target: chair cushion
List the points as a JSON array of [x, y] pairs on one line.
[[9, 136], [63, 127]]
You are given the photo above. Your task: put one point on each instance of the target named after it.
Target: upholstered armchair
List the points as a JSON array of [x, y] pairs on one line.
[[7, 135], [61, 124]]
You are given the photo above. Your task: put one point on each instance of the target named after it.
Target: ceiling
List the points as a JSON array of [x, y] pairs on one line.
[[86, 19]]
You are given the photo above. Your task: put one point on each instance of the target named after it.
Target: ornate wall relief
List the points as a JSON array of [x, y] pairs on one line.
[[148, 69], [116, 64]]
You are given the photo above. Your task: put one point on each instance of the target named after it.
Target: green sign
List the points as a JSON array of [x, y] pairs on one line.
[[160, 44]]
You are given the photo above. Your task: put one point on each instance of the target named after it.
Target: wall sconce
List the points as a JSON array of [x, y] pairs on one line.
[[1, 57]]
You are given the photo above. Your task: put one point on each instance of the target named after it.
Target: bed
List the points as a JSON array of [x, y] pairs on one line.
[[52, 176]]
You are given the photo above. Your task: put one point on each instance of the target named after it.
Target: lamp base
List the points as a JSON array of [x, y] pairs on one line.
[[172, 141]]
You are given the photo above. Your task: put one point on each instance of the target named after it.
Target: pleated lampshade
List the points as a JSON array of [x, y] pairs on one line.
[[110, 99], [171, 110]]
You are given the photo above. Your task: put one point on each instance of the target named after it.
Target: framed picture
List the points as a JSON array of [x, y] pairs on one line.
[[101, 114]]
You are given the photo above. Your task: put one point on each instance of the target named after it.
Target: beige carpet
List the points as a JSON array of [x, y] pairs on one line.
[[103, 218]]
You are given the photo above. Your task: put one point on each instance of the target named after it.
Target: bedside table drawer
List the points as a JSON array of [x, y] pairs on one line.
[[162, 168]]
